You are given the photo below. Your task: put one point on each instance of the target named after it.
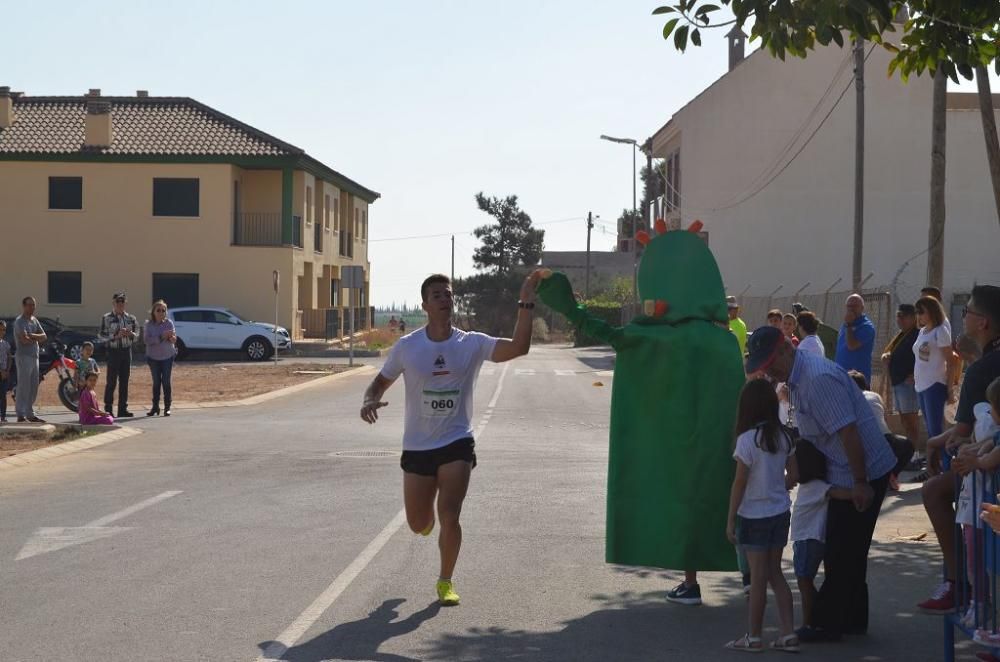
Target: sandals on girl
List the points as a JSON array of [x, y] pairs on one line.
[[787, 644], [747, 644]]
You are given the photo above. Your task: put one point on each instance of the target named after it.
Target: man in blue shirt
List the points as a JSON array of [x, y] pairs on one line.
[[833, 414], [856, 339]]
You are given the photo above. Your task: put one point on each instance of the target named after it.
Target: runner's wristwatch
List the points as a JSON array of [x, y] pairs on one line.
[[526, 304]]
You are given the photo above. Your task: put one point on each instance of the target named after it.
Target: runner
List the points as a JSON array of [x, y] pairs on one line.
[[440, 364]]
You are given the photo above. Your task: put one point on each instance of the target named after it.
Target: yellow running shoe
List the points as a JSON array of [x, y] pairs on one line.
[[446, 593], [430, 527]]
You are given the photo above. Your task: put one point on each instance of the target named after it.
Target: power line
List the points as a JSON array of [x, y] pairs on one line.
[[466, 232]]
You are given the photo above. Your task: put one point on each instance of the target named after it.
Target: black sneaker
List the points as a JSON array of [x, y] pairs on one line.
[[746, 585], [920, 477], [685, 595], [125, 414]]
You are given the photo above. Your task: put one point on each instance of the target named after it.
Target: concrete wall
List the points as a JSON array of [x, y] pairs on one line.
[[605, 266], [799, 229]]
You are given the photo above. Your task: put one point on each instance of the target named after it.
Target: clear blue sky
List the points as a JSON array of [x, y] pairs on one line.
[[427, 103]]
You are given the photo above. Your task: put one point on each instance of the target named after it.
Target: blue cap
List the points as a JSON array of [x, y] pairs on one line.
[[762, 346]]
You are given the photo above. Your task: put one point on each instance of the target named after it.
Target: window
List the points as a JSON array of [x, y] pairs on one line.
[[326, 212], [672, 193], [175, 197], [336, 214], [188, 316], [65, 192], [177, 290], [65, 287], [309, 206], [216, 317], [357, 222], [364, 225]]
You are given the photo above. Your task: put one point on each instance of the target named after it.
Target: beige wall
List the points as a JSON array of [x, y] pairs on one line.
[[799, 228], [117, 243]]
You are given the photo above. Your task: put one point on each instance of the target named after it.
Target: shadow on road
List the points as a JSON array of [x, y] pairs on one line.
[[360, 640]]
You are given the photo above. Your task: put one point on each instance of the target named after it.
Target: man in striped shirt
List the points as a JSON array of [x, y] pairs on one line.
[[832, 413]]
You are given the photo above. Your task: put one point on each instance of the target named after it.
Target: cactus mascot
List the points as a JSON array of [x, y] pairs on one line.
[[678, 375]]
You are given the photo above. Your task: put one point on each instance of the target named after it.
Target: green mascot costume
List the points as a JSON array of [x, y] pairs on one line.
[[678, 375]]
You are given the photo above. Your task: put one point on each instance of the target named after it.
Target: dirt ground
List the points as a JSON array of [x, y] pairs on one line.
[[200, 382], [10, 447]]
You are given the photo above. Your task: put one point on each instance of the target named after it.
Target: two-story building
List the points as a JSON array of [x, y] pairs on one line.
[[165, 197]]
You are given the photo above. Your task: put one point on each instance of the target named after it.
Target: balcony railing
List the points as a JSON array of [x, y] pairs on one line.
[[263, 229]]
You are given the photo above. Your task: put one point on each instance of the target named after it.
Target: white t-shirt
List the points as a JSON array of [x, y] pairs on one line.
[[878, 409], [440, 378], [812, 344], [809, 511], [765, 494], [931, 366]]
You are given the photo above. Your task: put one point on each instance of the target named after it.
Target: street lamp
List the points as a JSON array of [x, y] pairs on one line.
[[635, 210]]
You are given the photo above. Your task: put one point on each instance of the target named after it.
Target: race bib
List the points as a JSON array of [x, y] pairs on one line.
[[440, 404]]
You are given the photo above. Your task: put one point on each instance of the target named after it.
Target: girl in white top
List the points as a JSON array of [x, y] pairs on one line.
[[759, 510], [930, 371]]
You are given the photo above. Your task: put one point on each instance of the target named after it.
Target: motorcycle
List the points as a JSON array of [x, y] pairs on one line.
[[65, 369]]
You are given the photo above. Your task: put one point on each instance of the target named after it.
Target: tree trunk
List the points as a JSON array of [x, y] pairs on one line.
[[935, 234], [989, 131]]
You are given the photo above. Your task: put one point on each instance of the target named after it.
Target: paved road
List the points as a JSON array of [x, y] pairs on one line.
[[218, 532]]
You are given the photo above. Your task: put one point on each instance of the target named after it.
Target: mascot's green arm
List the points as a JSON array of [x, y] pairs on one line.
[[557, 293]]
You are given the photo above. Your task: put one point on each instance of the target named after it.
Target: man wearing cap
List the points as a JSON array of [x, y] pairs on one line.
[[832, 413], [736, 325], [119, 330], [857, 338]]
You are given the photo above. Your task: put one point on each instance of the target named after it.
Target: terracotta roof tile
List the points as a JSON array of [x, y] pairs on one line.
[[141, 126]]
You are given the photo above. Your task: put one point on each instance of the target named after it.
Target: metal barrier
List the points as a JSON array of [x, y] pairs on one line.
[[979, 593]]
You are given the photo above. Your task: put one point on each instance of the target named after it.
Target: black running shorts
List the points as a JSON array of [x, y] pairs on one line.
[[426, 463]]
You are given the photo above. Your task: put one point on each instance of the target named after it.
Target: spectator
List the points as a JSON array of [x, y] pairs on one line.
[[28, 335], [933, 353], [982, 324], [788, 326], [809, 325], [759, 511], [931, 291], [826, 333], [808, 530], [899, 360], [834, 416], [402, 326], [161, 339], [901, 446], [393, 324], [119, 329], [5, 359], [90, 414], [85, 365], [856, 339], [774, 318], [737, 325]]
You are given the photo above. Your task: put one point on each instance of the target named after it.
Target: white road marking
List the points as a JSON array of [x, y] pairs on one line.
[[496, 393], [52, 538], [313, 612], [565, 373], [524, 371]]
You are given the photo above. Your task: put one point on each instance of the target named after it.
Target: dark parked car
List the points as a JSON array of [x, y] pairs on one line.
[[73, 340]]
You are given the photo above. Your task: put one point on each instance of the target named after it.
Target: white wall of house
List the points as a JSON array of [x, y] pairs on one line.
[[800, 228]]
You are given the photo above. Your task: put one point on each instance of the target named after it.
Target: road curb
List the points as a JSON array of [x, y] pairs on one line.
[[273, 395], [66, 448]]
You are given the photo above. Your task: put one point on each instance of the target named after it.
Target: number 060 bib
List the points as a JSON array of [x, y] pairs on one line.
[[440, 404]]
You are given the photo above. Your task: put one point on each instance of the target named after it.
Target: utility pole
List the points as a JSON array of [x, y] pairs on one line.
[[859, 162], [453, 258], [635, 232], [590, 226]]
